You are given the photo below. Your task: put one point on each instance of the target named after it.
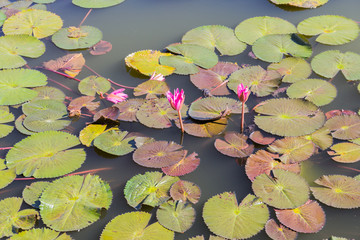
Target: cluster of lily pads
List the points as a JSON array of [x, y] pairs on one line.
[[301, 129]]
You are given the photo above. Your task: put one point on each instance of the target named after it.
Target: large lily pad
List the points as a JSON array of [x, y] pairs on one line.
[[235, 145], [258, 80], [134, 225], [284, 190], [215, 36], [344, 127], [44, 105], [96, 3], [254, 28], [114, 142], [185, 190], [74, 202], [14, 83], [41, 233], [337, 191], [186, 165], [226, 218], [46, 155], [94, 85], [150, 189], [272, 48], [289, 117], [292, 69], [6, 117], [329, 63], [332, 29], [345, 152], [38, 23]]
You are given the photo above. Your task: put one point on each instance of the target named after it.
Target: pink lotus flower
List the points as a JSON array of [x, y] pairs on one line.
[[157, 77], [243, 93], [176, 100], [117, 96]]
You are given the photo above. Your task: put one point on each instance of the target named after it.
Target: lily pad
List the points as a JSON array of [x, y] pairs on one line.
[[110, 113], [344, 127], [321, 138], [32, 193], [292, 69], [226, 218], [44, 105], [259, 138], [77, 104], [151, 88], [46, 92], [182, 65], [129, 108], [7, 176], [284, 190], [20, 127], [332, 29], [185, 190], [215, 36], [2, 18], [258, 80], [41, 121], [128, 225], [272, 48], [234, 145], [186, 165], [6, 117], [38, 23], [96, 3], [94, 85], [101, 48], [149, 189], [147, 62], [203, 128], [301, 3], [279, 232], [71, 64], [212, 108], [41, 233], [289, 117], [74, 202], [329, 63], [345, 152], [46, 155], [73, 38], [176, 216], [90, 132], [254, 28], [14, 85], [337, 191], [308, 218], [114, 142]]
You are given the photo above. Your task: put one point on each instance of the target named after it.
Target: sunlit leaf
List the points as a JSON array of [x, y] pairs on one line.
[[203, 128], [292, 69], [6, 117], [344, 127], [32, 193], [96, 3], [185, 190], [41, 121], [94, 85], [129, 108], [77, 104], [101, 48], [345, 152], [151, 87], [7, 176], [279, 232], [90, 132], [321, 138], [258, 138], [46, 92], [71, 64], [235, 145], [40, 233], [186, 165], [114, 142]]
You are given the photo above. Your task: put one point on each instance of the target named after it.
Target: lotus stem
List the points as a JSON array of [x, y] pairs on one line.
[[242, 116], [181, 122], [5, 148], [87, 14], [63, 74], [62, 85]]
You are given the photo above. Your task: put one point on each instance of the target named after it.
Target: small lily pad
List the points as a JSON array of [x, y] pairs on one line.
[[203, 128], [94, 85], [279, 232], [114, 142], [321, 138], [41, 233], [101, 48], [344, 127], [185, 190], [259, 138], [186, 165], [151, 88], [20, 127], [235, 145], [32, 193], [71, 64], [182, 65], [301, 3], [77, 104], [345, 152], [129, 108], [96, 3], [110, 113], [6, 117], [292, 69], [90, 132]]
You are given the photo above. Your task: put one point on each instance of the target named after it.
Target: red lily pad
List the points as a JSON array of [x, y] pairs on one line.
[[338, 112], [259, 138], [186, 165], [101, 48], [111, 113], [345, 152], [344, 127], [77, 104], [129, 108], [279, 232], [158, 154], [185, 190], [234, 145], [71, 64]]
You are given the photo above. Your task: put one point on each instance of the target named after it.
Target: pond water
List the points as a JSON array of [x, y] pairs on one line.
[[143, 24]]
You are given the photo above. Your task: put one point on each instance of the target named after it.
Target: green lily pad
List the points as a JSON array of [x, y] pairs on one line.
[[128, 225], [44, 1], [46, 92], [94, 85], [337, 191], [44, 105], [329, 63], [344, 127], [258, 80], [38, 23], [308, 218], [301, 3], [186, 165], [203, 128], [147, 62], [32, 193], [12, 220], [284, 190], [292, 69], [185, 190], [332, 29], [176, 216], [14, 83], [7, 176], [279, 232], [212, 108], [289, 117], [149, 189], [20, 127], [2, 18], [182, 65], [41, 121], [90, 132], [226, 218], [74, 202], [41, 233], [345, 152], [151, 88], [201, 56], [215, 36], [272, 48], [96, 3], [235, 145], [254, 28], [46, 155], [129, 108], [321, 138], [72, 38], [6, 117], [114, 142]]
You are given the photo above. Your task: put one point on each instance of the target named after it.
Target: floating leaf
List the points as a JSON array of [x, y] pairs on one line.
[[41, 121], [259, 81], [147, 62], [289, 117], [6, 117], [308, 218], [71, 64], [284, 190], [20, 127], [7, 176], [46, 92], [301, 3], [96, 3], [38, 23], [44, 105], [292, 69], [43, 1], [129, 108], [234, 145], [111, 113], [344, 127], [203, 129], [279, 232], [94, 85], [321, 138], [150, 189], [226, 218], [158, 154], [332, 29], [337, 191], [186, 165], [101, 48], [14, 83], [128, 225], [46, 155], [254, 28], [345, 152], [182, 65], [74, 202], [40, 233], [185, 190], [264, 162], [90, 132], [32, 193], [212, 108], [77, 104], [258, 138], [176, 216], [272, 48], [73, 38], [151, 87], [114, 142], [215, 36], [12, 220], [2, 18], [329, 63]]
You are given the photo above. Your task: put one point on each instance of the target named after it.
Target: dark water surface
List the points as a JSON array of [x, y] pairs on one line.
[[153, 24]]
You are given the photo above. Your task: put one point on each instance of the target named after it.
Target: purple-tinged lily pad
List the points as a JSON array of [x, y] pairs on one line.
[[101, 48], [185, 190], [151, 88], [186, 165], [259, 138], [111, 113], [279, 232], [129, 108], [77, 104], [234, 145]]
